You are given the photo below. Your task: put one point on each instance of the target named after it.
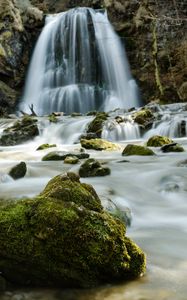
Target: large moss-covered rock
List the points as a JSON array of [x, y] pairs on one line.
[[99, 144], [63, 237], [45, 146], [96, 125], [158, 141], [92, 167], [131, 149], [22, 131]]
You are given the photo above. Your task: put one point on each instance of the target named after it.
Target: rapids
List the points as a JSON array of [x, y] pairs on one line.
[[153, 188]]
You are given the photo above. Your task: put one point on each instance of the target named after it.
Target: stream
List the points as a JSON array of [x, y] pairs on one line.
[[154, 189]]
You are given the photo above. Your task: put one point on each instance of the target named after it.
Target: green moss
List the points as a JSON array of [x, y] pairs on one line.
[[52, 118], [158, 141], [174, 147], [45, 146], [137, 150], [97, 124], [99, 144]]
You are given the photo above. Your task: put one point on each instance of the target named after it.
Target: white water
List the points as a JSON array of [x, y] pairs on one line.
[[79, 64], [153, 188]]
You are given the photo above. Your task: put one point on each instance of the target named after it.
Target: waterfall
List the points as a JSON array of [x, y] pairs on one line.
[[78, 65]]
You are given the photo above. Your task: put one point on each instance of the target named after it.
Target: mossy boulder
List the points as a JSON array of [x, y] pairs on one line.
[[61, 155], [71, 160], [96, 125], [22, 131], [173, 147], [63, 237], [8, 98], [158, 141], [45, 146], [99, 144], [131, 149], [18, 171], [143, 117], [92, 167]]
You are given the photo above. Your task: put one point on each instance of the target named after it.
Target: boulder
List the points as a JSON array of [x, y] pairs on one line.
[[131, 149], [96, 125], [18, 171], [173, 147], [61, 155], [22, 131], [63, 237], [158, 141], [92, 167], [45, 146], [8, 98], [99, 144]]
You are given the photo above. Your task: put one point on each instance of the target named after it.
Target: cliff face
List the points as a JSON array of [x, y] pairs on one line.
[[154, 34]]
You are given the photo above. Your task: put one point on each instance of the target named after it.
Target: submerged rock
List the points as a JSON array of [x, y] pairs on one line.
[[96, 125], [22, 131], [45, 146], [131, 149], [18, 171], [92, 167], [60, 155], [63, 237], [158, 141], [99, 144], [173, 147]]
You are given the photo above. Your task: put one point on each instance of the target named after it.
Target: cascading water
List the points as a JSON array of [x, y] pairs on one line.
[[78, 65]]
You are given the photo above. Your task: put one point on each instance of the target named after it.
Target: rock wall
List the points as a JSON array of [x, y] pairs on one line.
[[154, 34]]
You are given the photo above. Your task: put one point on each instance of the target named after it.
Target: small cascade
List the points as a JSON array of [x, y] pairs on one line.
[[78, 65], [66, 131], [126, 129], [173, 125]]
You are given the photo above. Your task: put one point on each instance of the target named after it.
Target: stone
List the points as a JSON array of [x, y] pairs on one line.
[[143, 117], [61, 155], [92, 167], [64, 238], [23, 130], [8, 98], [96, 125], [173, 147], [99, 144], [45, 146], [18, 171], [71, 160], [131, 149], [158, 141]]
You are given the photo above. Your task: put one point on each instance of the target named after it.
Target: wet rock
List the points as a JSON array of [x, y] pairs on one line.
[[173, 147], [45, 146], [143, 117], [131, 149], [96, 125], [71, 160], [76, 114], [66, 226], [182, 163], [61, 155], [92, 167], [18, 171], [158, 141], [22, 131], [52, 118], [99, 144], [89, 136]]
